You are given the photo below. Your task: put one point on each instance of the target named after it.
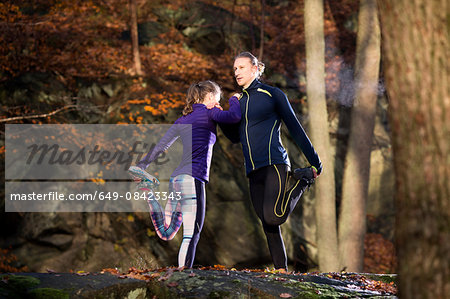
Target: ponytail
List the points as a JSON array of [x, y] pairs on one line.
[[197, 92]]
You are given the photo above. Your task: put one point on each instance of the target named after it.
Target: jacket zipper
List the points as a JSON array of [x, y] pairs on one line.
[[270, 142], [246, 129]]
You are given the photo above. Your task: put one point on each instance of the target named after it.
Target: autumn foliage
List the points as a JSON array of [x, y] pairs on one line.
[[8, 262], [81, 40], [379, 255]]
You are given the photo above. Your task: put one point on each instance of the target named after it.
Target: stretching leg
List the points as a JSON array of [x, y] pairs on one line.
[[282, 194], [166, 226]]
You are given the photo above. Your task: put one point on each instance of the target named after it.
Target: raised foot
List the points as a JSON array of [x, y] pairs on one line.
[[304, 174], [146, 180]]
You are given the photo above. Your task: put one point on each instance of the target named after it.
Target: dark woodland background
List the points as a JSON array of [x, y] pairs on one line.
[[77, 56], [74, 62]]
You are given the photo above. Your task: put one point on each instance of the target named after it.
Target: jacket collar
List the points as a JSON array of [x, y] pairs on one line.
[[255, 84]]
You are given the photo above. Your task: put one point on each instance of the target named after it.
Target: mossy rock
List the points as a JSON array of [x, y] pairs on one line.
[[19, 282], [48, 293], [219, 294], [16, 286], [387, 278]]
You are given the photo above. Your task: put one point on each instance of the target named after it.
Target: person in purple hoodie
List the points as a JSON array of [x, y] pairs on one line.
[[187, 198]]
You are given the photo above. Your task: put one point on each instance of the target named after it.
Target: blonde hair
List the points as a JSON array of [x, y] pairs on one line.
[[197, 92], [253, 60]]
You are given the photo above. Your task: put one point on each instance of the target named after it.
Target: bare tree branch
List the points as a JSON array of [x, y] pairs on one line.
[[4, 120]]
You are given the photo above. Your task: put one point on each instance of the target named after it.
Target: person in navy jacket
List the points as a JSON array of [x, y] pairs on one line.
[[274, 189]]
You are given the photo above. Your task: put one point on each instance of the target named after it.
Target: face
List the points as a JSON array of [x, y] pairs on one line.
[[244, 71]]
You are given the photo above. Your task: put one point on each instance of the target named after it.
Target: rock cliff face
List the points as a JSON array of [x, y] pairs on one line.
[[210, 29]]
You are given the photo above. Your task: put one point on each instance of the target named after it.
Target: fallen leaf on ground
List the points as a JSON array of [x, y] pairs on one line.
[[167, 276], [110, 270], [220, 267]]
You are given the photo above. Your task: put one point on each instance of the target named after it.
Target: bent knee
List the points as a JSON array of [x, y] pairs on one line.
[[273, 220]]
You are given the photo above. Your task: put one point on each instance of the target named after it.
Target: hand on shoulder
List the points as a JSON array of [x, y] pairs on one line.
[[212, 105]]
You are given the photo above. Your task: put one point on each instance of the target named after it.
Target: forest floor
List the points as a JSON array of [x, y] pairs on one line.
[[207, 282]]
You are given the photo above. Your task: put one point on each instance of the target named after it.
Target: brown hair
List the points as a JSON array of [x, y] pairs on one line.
[[253, 61], [197, 92]]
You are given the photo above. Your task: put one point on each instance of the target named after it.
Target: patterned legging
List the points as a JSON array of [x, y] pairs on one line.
[[189, 210]]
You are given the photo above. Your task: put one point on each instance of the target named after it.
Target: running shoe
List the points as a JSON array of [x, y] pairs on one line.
[[304, 174], [146, 180]]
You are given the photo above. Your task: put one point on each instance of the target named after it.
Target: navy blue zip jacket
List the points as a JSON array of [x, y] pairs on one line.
[[263, 107]]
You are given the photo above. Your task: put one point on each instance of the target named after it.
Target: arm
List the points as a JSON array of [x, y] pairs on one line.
[[231, 131], [286, 112], [166, 141], [233, 115]]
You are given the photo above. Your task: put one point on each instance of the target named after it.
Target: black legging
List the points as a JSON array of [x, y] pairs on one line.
[[273, 203]]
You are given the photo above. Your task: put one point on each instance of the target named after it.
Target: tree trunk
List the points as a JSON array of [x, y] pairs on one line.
[[134, 38], [416, 54], [352, 218], [315, 88], [252, 26], [261, 32]]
